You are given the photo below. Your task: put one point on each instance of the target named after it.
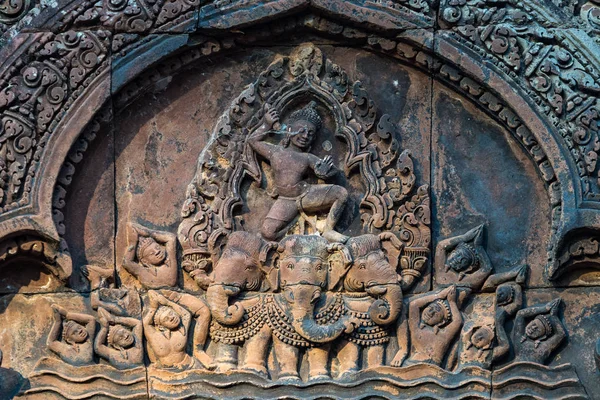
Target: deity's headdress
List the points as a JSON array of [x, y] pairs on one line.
[[143, 243], [446, 315], [470, 253], [110, 336], [163, 310], [68, 324], [548, 330], [446, 311], [510, 294], [110, 339], [547, 325], [308, 113]]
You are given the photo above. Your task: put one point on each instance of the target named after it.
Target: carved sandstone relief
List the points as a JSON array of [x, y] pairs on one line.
[[300, 261]]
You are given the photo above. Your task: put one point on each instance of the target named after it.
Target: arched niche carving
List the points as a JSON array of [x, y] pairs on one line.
[[371, 147], [137, 68], [414, 51], [445, 59]]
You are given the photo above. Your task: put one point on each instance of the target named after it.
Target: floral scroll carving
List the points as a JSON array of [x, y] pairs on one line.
[[35, 95]]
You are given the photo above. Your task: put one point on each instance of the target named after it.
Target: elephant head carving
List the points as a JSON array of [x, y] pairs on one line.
[[371, 272], [240, 267], [302, 265]]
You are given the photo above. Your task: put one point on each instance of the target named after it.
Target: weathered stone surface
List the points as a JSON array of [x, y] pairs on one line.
[[300, 199], [467, 146]]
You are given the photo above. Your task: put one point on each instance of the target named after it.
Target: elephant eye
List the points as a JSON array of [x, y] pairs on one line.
[[291, 266], [362, 266], [319, 267]]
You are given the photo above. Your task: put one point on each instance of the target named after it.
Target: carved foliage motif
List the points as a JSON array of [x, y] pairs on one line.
[[131, 16], [392, 203], [560, 80], [35, 96], [12, 12]]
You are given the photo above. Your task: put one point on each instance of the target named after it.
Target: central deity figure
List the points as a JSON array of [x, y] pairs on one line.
[[291, 163]]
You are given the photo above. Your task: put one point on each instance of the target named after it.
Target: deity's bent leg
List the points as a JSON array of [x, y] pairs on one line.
[[279, 218], [327, 197]]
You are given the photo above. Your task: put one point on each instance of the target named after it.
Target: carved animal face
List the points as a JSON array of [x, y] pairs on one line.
[[76, 333], [302, 295], [237, 268], [303, 260], [154, 254], [460, 259], [302, 133], [369, 270], [303, 269], [122, 337], [433, 314], [168, 318], [535, 329], [482, 337]]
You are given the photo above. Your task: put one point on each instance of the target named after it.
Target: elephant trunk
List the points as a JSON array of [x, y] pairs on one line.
[[217, 297], [386, 309], [304, 297], [308, 328]]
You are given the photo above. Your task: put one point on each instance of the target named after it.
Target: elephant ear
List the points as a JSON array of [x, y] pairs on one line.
[[216, 244], [479, 235], [392, 246], [340, 262], [268, 263]]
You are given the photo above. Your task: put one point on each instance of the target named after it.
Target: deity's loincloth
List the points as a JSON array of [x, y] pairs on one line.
[[188, 362], [289, 201]]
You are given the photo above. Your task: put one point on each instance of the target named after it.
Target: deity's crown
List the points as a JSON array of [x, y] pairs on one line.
[[143, 244], [162, 310], [471, 251], [445, 310], [110, 336], [68, 324], [308, 113], [546, 323]]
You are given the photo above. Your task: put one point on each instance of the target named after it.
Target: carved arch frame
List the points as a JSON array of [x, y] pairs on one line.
[[136, 66]]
